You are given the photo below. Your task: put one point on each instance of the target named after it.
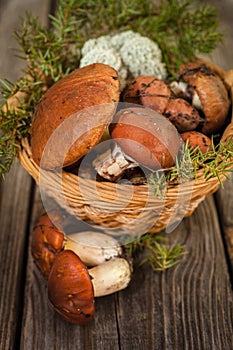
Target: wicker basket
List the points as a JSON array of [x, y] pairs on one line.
[[122, 209]]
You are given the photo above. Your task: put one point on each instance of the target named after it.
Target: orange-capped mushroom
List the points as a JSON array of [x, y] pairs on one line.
[[197, 140], [72, 287], [73, 114], [47, 240], [147, 137], [182, 114], [148, 91], [209, 93]]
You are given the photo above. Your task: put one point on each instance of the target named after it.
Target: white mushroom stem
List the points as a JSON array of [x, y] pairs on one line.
[[93, 248], [196, 102], [110, 277], [181, 89], [112, 163]]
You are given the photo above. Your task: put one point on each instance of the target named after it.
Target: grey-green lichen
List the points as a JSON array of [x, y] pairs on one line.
[[130, 53]]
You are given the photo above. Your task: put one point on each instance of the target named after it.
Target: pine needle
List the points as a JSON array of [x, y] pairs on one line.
[[159, 254]]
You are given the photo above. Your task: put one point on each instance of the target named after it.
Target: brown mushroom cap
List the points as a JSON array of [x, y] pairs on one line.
[[47, 241], [94, 85], [70, 289], [146, 136], [196, 140], [148, 91], [212, 93], [182, 114]]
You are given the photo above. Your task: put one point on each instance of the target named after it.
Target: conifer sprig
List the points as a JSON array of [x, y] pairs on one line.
[[159, 254]]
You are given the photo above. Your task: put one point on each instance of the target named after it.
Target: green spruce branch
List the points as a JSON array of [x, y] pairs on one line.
[[158, 252], [217, 162]]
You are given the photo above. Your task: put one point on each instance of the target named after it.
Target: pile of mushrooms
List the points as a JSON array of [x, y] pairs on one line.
[[146, 123], [79, 267], [192, 110]]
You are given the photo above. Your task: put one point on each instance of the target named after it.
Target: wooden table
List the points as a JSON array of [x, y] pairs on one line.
[[186, 307]]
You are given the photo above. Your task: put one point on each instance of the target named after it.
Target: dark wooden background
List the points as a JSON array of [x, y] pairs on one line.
[[186, 307]]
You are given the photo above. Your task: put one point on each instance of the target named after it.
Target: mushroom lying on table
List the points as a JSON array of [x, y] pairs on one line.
[[63, 259], [48, 240], [72, 287]]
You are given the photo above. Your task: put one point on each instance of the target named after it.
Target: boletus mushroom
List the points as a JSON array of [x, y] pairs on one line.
[[47, 240], [182, 114], [73, 114], [72, 287], [146, 136], [208, 93], [148, 91], [197, 140]]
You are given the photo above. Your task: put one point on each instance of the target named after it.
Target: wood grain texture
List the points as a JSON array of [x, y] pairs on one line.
[[15, 192], [15, 198], [224, 202], [223, 54], [187, 307], [224, 57], [10, 20]]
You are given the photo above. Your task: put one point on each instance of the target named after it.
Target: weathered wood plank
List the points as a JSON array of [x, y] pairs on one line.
[[15, 197], [43, 328], [224, 57], [15, 191], [189, 306], [11, 12], [224, 202], [223, 54]]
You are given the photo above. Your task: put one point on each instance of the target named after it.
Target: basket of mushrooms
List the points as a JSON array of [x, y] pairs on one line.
[[135, 159], [123, 148], [127, 161]]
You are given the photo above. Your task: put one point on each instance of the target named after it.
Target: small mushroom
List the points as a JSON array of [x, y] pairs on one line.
[[48, 240], [147, 137], [208, 93], [72, 287], [182, 114], [196, 140], [148, 91]]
